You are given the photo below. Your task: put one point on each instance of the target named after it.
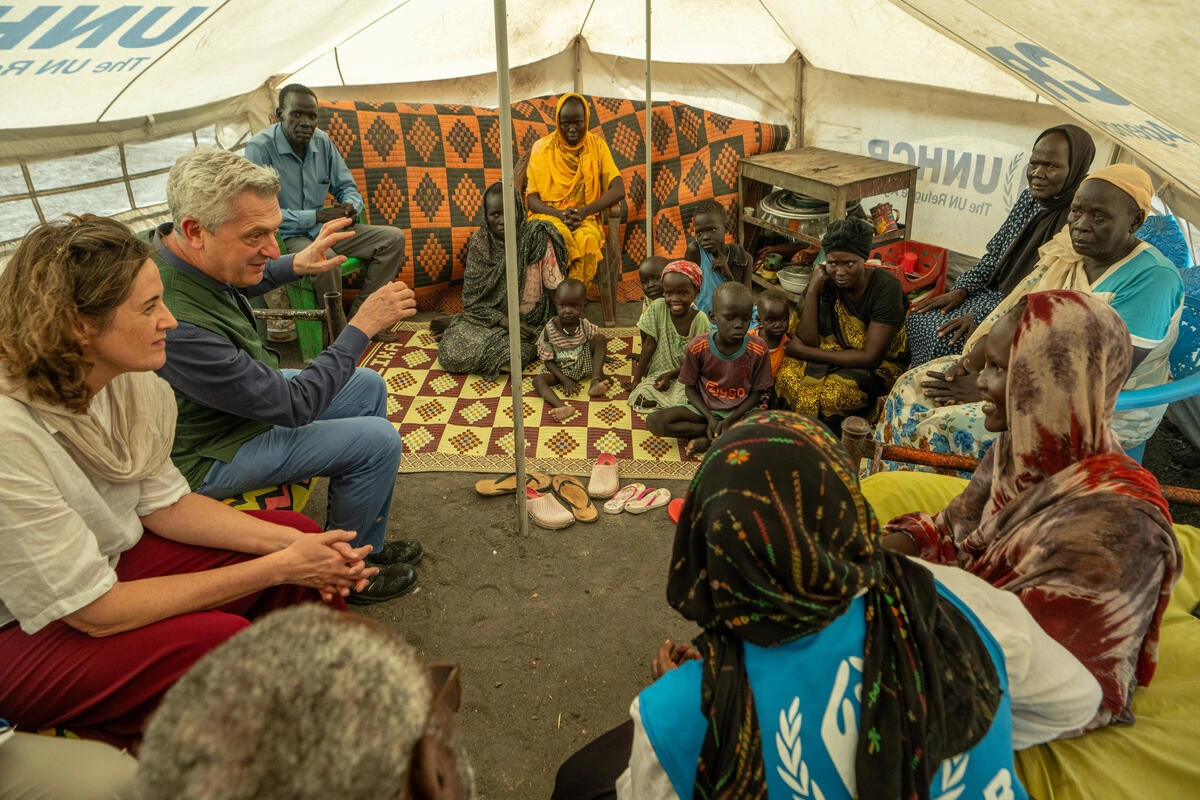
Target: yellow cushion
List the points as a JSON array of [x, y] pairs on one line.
[[894, 493], [1156, 757]]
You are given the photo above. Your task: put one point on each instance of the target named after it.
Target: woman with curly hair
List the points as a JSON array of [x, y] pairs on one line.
[[114, 577]]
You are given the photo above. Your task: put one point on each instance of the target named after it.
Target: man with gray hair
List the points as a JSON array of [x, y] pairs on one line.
[[244, 423], [310, 168], [308, 703]]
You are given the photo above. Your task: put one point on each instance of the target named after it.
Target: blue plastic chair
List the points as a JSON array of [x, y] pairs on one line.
[[1162, 231], [1185, 361]]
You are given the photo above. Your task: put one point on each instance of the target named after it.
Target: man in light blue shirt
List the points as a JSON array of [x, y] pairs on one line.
[[311, 168]]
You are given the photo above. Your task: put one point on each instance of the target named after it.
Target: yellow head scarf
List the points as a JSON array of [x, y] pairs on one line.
[[1130, 180], [564, 175]]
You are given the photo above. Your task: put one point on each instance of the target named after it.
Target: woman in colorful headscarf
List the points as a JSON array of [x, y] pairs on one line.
[[935, 407], [571, 179], [1059, 162], [1056, 512], [476, 341], [827, 666], [849, 346], [667, 326]]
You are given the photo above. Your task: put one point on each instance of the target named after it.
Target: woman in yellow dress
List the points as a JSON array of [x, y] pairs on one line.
[[849, 347], [572, 178]]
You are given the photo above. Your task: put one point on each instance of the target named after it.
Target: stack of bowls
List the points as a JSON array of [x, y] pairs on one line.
[[800, 213], [795, 278]]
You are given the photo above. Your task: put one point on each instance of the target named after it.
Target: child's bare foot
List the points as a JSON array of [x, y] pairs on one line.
[[697, 446], [562, 413], [599, 388]]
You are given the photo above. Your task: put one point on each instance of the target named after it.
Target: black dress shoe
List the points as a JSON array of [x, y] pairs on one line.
[[401, 551], [391, 582]]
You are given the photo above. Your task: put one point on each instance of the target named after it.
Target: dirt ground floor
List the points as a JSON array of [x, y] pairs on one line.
[[555, 630]]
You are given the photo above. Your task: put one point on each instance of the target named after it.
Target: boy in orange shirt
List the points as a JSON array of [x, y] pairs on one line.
[[775, 325]]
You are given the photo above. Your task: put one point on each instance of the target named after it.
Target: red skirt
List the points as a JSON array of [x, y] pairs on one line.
[[105, 688]]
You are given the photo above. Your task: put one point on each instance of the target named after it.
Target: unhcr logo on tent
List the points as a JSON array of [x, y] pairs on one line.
[[136, 27], [943, 165]]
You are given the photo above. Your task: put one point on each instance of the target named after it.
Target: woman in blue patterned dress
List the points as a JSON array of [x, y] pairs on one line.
[[939, 326]]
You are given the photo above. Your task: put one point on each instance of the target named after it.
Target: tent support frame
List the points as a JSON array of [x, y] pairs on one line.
[[649, 137], [510, 258]]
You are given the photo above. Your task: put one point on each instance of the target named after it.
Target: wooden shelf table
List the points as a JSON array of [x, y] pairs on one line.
[[836, 178]]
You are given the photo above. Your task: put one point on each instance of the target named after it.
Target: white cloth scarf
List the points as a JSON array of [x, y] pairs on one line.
[[131, 444]]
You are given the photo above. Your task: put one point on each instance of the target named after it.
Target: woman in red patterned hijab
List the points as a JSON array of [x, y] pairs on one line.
[[1056, 512]]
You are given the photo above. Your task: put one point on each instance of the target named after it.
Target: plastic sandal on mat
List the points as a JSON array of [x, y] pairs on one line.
[[616, 504], [652, 499], [547, 511], [570, 492], [604, 481]]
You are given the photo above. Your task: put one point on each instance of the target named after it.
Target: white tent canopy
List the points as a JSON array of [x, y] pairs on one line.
[[958, 87]]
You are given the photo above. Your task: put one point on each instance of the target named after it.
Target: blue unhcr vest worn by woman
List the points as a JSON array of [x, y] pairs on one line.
[[807, 699]]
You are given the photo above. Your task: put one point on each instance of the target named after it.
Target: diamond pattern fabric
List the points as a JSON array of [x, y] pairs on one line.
[[424, 167], [464, 422]]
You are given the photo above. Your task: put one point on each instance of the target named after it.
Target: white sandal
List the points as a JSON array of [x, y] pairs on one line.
[[604, 481], [652, 499], [546, 511], [618, 501]]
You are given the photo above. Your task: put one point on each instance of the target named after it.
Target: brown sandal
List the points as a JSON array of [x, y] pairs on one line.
[[570, 492], [494, 487]]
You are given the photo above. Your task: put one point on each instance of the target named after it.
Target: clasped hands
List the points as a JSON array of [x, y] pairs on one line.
[[956, 385], [326, 562], [573, 217]]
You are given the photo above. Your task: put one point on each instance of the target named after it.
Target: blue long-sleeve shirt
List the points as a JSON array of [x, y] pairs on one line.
[[207, 368], [304, 183]]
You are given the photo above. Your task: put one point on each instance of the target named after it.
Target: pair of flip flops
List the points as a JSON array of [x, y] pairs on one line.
[[637, 498], [563, 505]]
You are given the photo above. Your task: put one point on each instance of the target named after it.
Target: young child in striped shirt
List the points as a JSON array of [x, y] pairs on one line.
[[572, 349], [724, 374]]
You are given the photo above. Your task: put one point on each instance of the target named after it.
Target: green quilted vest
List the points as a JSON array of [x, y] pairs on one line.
[[204, 434]]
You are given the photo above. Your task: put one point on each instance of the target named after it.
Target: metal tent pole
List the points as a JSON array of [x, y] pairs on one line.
[[510, 256], [649, 139]]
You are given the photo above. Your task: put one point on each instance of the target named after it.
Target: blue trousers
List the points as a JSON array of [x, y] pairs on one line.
[[352, 444]]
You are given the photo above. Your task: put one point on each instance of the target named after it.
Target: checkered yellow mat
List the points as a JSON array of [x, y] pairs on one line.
[[463, 423]]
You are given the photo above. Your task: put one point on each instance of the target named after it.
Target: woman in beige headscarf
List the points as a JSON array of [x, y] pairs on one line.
[[114, 577], [935, 407]]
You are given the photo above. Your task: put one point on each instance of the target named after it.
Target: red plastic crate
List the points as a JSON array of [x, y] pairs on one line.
[[931, 266]]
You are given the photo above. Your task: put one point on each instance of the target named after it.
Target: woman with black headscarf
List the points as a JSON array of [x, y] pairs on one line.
[[1059, 162], [827, 667], [476, 341], [849, 346]]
